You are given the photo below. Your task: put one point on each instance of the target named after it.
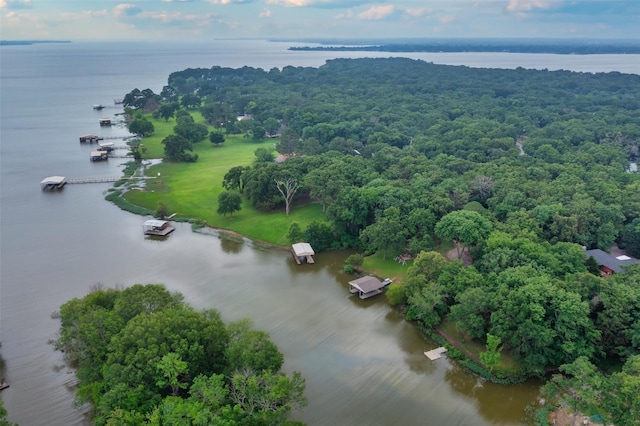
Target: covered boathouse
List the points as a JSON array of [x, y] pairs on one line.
[[302, 252], [98, 155], [157, 227], [53, 182], [90, 138], [367, 287]]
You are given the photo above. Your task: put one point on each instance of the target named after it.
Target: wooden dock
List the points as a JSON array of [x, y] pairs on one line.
[[435, 353], [93, 138], [106, 179]]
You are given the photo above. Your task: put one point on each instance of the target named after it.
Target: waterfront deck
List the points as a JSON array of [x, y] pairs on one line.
[[435, 353]]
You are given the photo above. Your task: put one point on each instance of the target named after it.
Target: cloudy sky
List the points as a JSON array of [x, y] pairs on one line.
[[151, 20]]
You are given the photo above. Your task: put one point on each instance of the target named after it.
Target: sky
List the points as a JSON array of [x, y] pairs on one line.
[[202, 20]]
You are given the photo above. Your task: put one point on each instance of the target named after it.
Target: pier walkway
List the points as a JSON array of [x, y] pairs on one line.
[[106, 179]]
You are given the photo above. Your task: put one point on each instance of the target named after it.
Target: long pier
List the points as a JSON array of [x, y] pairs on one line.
[[106, 179]]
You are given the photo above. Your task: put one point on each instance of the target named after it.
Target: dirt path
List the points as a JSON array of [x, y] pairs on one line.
[[453, 255]]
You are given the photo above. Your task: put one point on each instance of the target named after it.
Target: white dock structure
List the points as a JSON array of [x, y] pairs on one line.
[[53, 182], [302, 252], [435, 353], [157, 227]]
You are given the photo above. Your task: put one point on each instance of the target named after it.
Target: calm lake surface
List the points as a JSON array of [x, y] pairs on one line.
[[362, 362]]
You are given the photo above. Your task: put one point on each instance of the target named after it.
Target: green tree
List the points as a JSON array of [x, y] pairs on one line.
[[175, 147], [141, 127], [387, 234], [353, 263], [216, 138], [193, 132], [396, 294], [267, 397], [190, 101], [264, 155], [229, 202], [167, 111], [491, 357], [250, 349], [3, 416], [319, 235], [464, 228], [631, 237], [294, 234], [172, 371], [234, 179]]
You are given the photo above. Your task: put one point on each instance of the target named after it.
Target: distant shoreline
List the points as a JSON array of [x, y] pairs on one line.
[[551, 48], [30, 42]]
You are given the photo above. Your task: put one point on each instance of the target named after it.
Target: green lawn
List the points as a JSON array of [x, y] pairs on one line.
[[191, 189], [472, 348]]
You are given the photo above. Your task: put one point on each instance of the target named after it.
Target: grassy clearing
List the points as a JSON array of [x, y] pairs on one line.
[[191, 189], [472, 348], [385, 268]]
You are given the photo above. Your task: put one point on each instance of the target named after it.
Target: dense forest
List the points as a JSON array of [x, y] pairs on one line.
[[520, 170], [144, 356]]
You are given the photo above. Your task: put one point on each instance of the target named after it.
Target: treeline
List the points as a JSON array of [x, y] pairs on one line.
[[144, 356]]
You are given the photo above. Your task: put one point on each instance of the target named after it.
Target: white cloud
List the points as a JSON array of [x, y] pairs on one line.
[[15, 4], [417, 12], [377, 12], [265, 14], [229, 1], [347, 15], [322, 4], [528, 5], [290, 3], [96, 13], [125, 9]]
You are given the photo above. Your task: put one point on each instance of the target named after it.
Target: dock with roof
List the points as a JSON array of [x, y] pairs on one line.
[[302, 252], [369, 286]]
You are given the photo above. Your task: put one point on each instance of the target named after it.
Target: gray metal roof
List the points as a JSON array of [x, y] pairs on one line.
[[367, 284], [614, 263]]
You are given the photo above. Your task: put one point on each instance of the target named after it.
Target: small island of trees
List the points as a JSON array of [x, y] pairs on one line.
[[144, 356]]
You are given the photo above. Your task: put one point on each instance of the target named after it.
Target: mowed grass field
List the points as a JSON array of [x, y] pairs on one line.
[[191, 189]]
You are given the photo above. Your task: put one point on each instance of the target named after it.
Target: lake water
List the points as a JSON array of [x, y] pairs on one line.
[[362, 362]]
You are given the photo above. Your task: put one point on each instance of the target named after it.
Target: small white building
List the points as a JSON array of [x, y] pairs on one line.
[[157, 227], [302, 252], [53, 182]]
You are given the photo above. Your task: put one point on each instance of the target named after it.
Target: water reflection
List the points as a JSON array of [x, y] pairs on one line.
[[230, 247], [498, 404]]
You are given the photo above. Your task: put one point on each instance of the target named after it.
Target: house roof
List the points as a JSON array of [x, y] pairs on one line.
[[614, 263], [53, 180], [367, 284], [156, 223], [303, 249]]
